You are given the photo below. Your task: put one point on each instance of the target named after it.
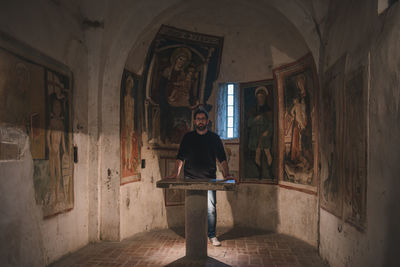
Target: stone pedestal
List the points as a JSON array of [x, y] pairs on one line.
[[196, 211], [196, 224]]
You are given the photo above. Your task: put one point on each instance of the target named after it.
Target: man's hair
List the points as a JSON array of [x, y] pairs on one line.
[[199, 111]]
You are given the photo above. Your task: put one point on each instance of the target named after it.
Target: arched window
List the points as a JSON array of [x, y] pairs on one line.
[[228, 111]]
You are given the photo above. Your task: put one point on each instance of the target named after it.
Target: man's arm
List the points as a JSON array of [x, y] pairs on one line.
[[182, 155], [225, 169], [225, 172], [177, 171], [221, 156]]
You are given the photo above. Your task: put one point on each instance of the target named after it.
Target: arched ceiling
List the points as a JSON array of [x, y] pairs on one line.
[[255, 40], [113, 28], [126, 21]]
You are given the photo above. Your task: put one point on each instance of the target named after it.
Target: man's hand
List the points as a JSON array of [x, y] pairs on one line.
[[178, 166], [230, 177], [225, 172]]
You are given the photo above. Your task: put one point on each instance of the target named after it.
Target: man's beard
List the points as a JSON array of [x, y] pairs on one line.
[[201, 127]]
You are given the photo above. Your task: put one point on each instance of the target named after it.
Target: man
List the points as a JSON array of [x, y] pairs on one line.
[[200, 149]]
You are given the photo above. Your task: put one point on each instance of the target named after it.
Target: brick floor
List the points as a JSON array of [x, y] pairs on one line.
[[240, 247]]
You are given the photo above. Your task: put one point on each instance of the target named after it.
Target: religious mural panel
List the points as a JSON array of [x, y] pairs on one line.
[[331, 173], [355, 152], [232, 157], [344, 141], [180, 70], [257, 132], [59, 145], [173, 197], [36, 97], [297, 86], [130, 128]]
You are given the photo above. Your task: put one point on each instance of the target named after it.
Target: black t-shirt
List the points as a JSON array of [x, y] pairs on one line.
[[200, 153]]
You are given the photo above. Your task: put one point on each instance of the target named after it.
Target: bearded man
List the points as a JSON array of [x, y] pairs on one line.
[[199, 150]]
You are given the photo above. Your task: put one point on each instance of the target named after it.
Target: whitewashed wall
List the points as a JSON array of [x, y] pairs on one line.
[[355, 27], [25, 238]]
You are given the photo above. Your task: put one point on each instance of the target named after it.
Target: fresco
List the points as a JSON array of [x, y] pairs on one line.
[[344, 141], [232, 157], [355, 149], [297, 86], [331, 182], [37, 99], [257, 132], [130, 128], [172, 197], [180, 70]]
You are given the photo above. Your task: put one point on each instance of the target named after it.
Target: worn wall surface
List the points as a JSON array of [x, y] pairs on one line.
[[355, 27], [255, 42], [21, 240], [124, 26], [142, 204], [298, 215], [251, 206], [25, 238], [97, 39]]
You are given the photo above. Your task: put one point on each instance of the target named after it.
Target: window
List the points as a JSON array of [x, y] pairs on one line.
[[228, 111], [230, 106]]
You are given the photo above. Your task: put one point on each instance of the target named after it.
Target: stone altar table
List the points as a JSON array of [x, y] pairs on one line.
[[196, 210]]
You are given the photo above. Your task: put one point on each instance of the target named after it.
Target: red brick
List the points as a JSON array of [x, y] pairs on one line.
[[160, 248]]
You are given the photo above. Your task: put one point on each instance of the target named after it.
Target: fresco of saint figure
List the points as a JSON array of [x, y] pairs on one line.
[[260, 134], [299, 157], [36, 96], [258, 163], [129, 131], [56, 142], [130, 155]]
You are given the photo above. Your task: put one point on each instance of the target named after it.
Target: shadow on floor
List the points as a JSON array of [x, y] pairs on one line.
[[206, 262], [180, 231], [224, 233], [239, 232]]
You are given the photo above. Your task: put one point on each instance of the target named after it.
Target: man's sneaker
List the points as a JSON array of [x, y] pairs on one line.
[[214, 241]]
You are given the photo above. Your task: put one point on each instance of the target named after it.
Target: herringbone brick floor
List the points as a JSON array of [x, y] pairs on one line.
[[240, 247]]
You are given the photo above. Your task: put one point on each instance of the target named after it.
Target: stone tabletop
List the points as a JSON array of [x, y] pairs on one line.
[[208, 184]]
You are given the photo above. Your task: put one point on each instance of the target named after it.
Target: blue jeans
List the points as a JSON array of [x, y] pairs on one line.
[[212, 212]]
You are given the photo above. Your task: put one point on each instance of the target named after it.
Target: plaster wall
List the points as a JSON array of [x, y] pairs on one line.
[[21, 238], [255, 42], [251, 206], [128, 24], [298, 215], [93, 37], [25, 238], [96, 55], [356, 28], [142, 204]]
